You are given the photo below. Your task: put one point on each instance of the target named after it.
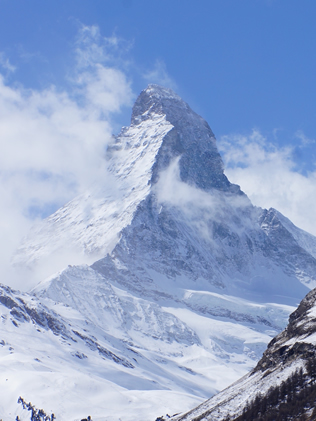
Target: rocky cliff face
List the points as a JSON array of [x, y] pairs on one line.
[[297, 341], [191, 139], [281, 386]]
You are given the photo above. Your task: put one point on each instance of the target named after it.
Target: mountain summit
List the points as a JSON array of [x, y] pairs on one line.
[[163, 128], [187, 283], [190, 138]]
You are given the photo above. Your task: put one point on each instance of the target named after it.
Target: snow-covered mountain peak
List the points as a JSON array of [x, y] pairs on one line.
[[191, 139], [164, 129], [159, 100], [194, 221]]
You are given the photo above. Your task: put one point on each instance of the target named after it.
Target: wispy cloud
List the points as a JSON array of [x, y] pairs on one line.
[[198, 207], [303, 138], [5, 63], [99, 76], [270, 177], [159, 75], [92, 48]]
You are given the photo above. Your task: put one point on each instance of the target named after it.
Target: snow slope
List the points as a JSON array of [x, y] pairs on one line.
[[88, 227], [126, 354], [292, 349]]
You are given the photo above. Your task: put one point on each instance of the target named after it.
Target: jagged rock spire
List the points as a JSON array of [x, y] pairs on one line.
[[191, 138]]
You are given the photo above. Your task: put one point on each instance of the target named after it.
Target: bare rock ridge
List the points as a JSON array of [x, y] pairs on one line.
[[191, 138], [284, 376], [294, 343]]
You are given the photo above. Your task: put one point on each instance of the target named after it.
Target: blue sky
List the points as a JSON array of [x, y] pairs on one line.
[[71, 70], [241, 64]]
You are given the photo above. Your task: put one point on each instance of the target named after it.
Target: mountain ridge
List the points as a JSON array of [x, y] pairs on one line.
[[290, 354]]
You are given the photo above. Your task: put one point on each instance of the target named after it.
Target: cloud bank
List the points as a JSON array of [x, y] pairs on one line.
[[53, 141]]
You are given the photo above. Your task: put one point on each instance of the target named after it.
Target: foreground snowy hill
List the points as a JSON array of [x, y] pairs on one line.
[[58, 360], [282, 385], [111, 354], [192, 283]]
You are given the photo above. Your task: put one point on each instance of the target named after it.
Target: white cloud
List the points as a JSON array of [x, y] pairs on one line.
[[269, 176], [92, 48], [52, 141], [106, 89], [5, 63], [198, 207], [303, 138]]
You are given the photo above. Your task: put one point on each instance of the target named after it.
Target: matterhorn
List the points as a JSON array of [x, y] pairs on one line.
[[182, 283]]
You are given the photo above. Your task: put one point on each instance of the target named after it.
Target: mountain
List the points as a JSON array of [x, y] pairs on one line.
[[281, 386], [187, 281], [165, 169]]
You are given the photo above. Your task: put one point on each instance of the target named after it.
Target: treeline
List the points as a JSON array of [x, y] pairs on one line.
[[293, 399], [35, 414], [39, 414]]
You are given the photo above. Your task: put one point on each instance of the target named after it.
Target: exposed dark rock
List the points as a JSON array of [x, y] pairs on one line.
[[95, 346]]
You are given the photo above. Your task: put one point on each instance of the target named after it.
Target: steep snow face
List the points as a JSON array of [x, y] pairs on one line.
[[220, 248], [290, 350]]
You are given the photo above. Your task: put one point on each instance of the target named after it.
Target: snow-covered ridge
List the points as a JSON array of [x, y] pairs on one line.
[[117, 345]]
